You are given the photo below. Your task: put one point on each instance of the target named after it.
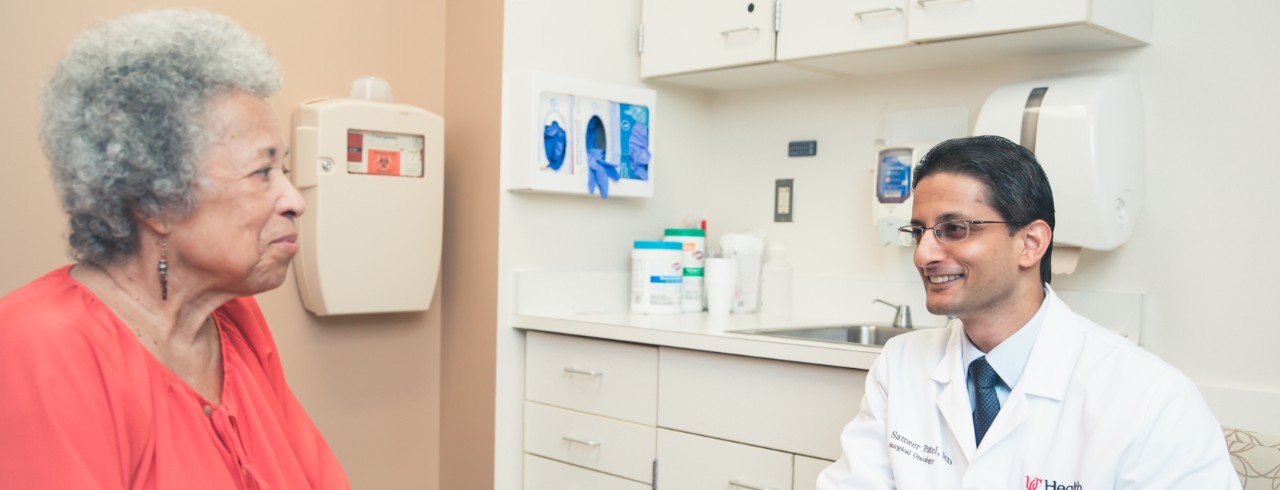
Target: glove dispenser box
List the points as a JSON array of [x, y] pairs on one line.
[[587, 138], [1087, 133]]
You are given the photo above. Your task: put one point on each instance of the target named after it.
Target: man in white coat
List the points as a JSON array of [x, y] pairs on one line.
[[1018, 392]]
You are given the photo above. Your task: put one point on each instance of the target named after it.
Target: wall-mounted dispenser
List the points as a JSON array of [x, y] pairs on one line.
[[372, 174], [891, 195], [906, 136], [589, 138], [1087, 133]]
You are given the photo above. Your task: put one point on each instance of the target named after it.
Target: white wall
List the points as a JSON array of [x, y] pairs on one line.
[[1199, 254], [571, 233]]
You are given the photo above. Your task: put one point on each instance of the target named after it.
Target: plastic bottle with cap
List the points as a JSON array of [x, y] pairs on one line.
[[371, 88], [775, 286], [694, 243]]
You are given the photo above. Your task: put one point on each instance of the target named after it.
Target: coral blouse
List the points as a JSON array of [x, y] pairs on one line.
[[84, 405]]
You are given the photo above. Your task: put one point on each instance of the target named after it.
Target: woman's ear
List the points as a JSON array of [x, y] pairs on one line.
[[1036, 238], [159, 226]]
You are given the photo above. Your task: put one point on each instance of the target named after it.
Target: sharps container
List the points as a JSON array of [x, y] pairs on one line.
[[694, 246], [656, 277]]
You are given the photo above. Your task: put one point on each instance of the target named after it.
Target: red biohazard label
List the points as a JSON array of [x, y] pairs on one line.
[[383, 162]]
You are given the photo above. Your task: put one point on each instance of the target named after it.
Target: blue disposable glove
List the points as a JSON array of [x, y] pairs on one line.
[[600, 172], [553, 142], [638, 148]]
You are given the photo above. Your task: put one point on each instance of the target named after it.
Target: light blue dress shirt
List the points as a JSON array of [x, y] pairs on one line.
[[1009, 358]]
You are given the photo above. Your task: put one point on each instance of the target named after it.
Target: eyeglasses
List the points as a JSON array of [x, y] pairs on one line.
[[945, 231]]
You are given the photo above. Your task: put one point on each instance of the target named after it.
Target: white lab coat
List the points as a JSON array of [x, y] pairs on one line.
[[1092, 411]]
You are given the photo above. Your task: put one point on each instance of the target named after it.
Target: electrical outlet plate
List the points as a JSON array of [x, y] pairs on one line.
[[783, 197]]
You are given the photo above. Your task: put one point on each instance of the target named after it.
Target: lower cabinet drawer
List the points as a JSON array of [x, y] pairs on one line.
[[544, 474], [789, 406], [614, 379], [613, 446], [687, 461], [807, 470]]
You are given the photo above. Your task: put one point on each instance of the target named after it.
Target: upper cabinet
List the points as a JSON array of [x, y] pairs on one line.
[[729, 44], [823, 27], [680, 36], [933, 20]]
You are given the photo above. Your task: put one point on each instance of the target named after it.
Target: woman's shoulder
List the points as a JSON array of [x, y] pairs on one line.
[[55, 328], [52, 305], [57, 280]]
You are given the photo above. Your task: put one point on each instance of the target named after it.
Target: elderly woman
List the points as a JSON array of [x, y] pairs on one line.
[[147, 364]]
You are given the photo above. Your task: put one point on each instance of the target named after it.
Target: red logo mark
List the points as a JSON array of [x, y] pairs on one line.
[[1033, 483]]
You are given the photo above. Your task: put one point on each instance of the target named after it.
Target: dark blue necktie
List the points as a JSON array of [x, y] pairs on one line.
[[987, 403]]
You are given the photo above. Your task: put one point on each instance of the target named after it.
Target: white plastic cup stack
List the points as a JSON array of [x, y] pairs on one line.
[[747, 250], [721, 281]]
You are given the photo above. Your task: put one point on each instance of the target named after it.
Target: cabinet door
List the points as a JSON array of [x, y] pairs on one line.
[[790, 406], [603, 377], [821, 27], [806, 472], [682, 36], [612, 446], [545, 474], [695, 462], [942, 19]]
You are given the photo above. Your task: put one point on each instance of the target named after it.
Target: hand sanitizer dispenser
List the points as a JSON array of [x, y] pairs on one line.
[[372, 173], [1087, 133], [891, 195]]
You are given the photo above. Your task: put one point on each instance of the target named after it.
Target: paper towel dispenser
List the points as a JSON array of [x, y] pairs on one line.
[[1086, 131]]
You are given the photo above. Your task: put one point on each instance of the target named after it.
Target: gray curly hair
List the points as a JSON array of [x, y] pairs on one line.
[[125, 119]]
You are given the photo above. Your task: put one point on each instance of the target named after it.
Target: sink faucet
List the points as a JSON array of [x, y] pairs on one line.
[[903, 318]]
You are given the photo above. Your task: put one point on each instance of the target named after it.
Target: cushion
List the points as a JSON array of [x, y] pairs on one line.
[[1256, 458]]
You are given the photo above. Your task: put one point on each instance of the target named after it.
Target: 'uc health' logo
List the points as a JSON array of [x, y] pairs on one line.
[[1034, 484]]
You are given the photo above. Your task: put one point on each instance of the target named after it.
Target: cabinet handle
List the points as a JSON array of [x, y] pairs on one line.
[[740, 29], [583, 372], [575, 440], [925, 3], [739, 484], [877, 11]]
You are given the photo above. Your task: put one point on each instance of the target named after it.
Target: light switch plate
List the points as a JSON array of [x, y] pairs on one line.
[[783, 197]]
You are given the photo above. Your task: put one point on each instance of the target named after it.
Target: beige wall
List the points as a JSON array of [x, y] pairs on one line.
[[371, 383], [473, 110]]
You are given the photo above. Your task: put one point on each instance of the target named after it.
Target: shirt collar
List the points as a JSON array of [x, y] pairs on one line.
[[1009, 359]]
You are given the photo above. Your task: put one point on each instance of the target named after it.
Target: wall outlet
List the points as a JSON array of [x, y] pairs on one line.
[[783, 195]]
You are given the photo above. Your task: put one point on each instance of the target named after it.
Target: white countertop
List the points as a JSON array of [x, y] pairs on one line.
[[593, 304], [704, 332]]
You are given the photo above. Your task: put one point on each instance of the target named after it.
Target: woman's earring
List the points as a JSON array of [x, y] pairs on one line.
[[163, 267]]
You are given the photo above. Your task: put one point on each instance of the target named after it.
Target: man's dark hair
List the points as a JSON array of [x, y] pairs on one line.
[[1015, 183]]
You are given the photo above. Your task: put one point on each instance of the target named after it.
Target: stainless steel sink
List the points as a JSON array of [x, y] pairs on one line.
[[845, 334]]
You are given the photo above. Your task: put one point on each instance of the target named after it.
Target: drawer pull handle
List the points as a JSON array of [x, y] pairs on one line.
[[740, 29], [925, 3], [575, 440], [748, 486], [583, 372], [859, 15]]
